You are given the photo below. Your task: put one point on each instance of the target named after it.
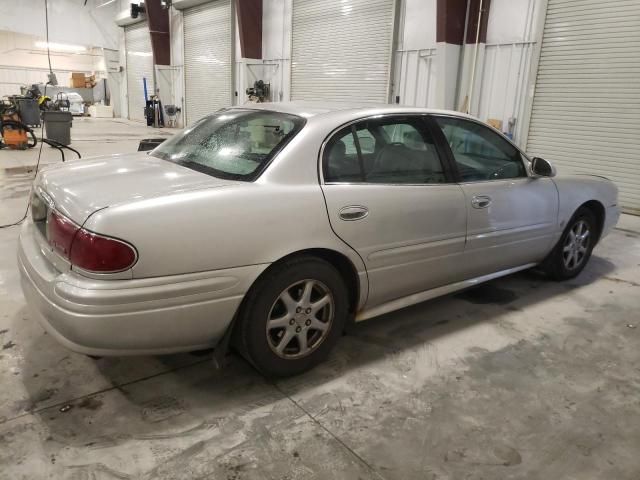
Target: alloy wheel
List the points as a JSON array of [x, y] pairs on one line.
[[300, 319], [576, 245]]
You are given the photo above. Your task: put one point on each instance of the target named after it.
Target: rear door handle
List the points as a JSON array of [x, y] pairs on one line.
[[353, 212], [480, 201]]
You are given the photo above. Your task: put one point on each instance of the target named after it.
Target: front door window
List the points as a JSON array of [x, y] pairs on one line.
[[480, 153]]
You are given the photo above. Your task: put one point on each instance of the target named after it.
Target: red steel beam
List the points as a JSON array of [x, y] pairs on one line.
[[474, 13], [250, 27], [158, 19], [451, 15]]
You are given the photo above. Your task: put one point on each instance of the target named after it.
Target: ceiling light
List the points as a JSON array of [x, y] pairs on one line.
[[61, 47]]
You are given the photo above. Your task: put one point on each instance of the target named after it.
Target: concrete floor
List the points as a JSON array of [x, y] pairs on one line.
[[520, 378]]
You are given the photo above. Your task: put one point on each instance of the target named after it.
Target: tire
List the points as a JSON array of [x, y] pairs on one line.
[[570, 255], [272, 326]]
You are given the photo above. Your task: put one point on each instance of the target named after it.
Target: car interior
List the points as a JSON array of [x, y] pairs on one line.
[[391, 153], [481, 154], [399, 153]]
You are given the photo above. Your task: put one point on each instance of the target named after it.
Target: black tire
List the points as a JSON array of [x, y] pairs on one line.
[[258, 345], [555, 265]]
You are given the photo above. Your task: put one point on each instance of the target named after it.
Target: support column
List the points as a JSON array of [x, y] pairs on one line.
[[250, 27], [158, 18], [468, 99], [451, 17]]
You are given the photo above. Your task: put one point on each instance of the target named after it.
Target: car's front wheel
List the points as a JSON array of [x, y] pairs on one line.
[[292, 317], [573, 250]]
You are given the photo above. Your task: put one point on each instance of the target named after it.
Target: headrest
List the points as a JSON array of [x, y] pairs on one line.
[[338, 150]]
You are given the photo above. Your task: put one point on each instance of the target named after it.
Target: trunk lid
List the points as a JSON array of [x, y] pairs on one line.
[[80, 188]]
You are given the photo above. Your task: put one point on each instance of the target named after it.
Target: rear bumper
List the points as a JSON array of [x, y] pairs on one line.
[[130, 317]]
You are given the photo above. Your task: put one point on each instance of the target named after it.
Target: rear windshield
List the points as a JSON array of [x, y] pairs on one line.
[[234, 144]]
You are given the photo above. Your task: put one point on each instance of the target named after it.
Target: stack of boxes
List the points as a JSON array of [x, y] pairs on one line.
[[90, 81], [80, 80]]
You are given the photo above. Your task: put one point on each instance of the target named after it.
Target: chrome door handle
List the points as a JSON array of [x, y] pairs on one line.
[[353, 212], [480, 201]]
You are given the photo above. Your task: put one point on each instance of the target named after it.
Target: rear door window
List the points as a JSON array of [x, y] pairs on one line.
[[392, 151]]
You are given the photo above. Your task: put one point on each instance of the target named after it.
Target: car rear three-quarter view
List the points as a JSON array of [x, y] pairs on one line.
[[272, 226]]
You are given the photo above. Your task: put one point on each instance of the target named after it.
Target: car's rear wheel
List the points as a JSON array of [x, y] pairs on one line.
[[292, 317], [573, 250]]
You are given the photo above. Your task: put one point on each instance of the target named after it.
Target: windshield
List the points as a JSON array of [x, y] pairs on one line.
[[233, 144]]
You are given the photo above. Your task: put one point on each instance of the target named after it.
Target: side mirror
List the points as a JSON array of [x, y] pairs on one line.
[[542, 168]]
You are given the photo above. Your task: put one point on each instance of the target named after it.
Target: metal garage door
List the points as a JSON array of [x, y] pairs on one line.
[[586, 108], [139, 65], [208, 58], [342, 50]]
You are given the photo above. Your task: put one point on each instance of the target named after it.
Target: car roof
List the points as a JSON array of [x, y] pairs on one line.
[[329, 115], [309, 109]]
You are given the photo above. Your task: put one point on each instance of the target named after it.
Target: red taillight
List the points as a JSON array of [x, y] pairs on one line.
[[96, 253], [86, 249], [60, 232]]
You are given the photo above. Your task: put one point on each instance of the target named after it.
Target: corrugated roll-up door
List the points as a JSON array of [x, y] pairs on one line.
[[208, 58], [586, 107], [341, 51], [139, 65]]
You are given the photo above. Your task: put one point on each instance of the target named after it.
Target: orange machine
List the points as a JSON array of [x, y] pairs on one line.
[[14, 133]]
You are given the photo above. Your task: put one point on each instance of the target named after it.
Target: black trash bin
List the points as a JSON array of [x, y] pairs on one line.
[[58, 126], [29, 111]]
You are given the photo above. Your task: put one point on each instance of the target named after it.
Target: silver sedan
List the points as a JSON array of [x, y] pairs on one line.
[[270, 227]]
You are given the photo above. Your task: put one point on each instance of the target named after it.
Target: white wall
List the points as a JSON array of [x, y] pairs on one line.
[[115, 80], [176, 70], [511, 21], [23, 63], [417, 24], [414, 69], [169, 78], [275, 66], [422, 68], [276, 47], [426, 73], [69, 21], [415, 59], [239, 72], [504, 69], [412, 59]]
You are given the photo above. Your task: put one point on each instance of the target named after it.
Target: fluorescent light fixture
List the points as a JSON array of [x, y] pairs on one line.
[[62, 47], [139, 54]]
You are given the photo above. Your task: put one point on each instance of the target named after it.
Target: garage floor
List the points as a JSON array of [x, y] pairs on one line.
[[520, 378]]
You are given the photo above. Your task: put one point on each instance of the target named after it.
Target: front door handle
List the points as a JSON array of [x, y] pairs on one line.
[[353, 212], [480, 201]]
